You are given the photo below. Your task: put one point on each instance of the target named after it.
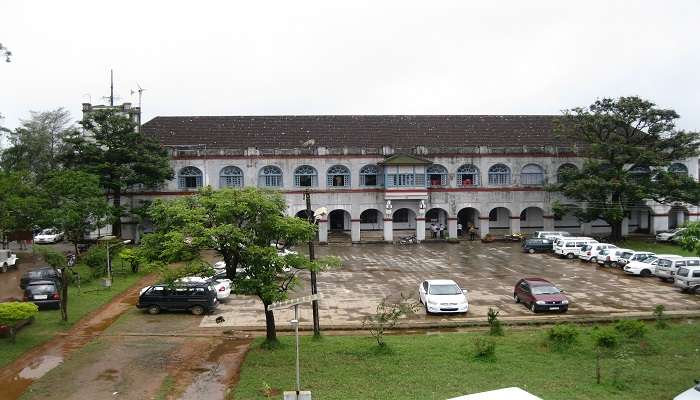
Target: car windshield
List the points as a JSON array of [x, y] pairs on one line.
[[545, 290], [664, 263], [444, 289], [682, 272], [48, 232], [626, 254], [648, 260]]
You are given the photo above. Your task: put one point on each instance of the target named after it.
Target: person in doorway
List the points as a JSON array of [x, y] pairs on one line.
[[433, 230], [472, 232], [442, 231], [459, 229]]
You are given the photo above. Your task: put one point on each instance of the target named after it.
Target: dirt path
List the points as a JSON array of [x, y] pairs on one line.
[[16, 377]]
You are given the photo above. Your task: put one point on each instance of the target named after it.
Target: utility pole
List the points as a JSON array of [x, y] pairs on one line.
[[111, 87], [312, 257]]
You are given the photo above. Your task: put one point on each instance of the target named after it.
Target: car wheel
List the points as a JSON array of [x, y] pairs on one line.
[[532, 307], [593, 260], [570, 256], [531, 251], [197, 310], [645, 273], [516, 298], [153, 310]]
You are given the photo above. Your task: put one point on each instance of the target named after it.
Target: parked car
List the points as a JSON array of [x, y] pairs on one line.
[[610, 256], [570, 247], [549, 234], [540, 295], [669, 235], [46, 236], [222, 285], [535, 245], [8, 260], [38, 274], [443, 296], [691, 394], [591, 251], [666, 267], [197, 298], [647, 266], [43, 293], [628, 256], [688, 279]]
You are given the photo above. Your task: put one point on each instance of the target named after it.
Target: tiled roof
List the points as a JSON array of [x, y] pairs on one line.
[[334, 131]]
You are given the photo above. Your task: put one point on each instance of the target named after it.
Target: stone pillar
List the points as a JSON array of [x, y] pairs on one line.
[[587, 228], [483, 226], [355, 230], [548, 222], [323, 231], [388, 230], [625, 227], [514, 224], [660, 222], [420, 228], [452, 227]]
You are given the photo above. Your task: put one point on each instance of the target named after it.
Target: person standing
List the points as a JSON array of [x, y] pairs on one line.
[[442, 231], [472, 232], [433, 231], [459, 229]]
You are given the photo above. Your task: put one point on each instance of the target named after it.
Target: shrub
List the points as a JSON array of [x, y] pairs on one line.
[[484, 348], [563, 335], [659, 316], [631, 328], [386, 317], [14, 312], [495, 327], [96, 259], [604, 340]]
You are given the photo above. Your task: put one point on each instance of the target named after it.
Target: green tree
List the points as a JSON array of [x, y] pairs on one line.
[[628, 143], [111, 148], [13, 312], [21, 204], [604, 341], [35, 146], [78, 204], [239, 225]]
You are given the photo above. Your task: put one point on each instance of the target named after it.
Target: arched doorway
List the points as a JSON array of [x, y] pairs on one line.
[[677, 216], [466, 217], [371, 224], [339, 220], [640, 219], [437, 217], [499, 221], [531, 219], [403, 219]]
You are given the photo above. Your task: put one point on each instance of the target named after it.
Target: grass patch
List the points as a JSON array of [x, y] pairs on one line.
[[443, 366], [47, 323], [658, 248], [166, 388]]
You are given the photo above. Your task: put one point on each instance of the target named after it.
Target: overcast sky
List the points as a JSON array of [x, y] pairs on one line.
[[304, 57]]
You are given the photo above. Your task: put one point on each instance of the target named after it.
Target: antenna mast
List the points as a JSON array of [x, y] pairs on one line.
[[111, 88]]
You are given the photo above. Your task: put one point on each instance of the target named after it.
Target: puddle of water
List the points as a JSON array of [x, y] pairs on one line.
[[39, 367], [207, 385]]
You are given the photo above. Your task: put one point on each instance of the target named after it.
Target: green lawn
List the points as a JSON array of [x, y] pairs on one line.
[[658, 248], [442, 366], [48, 323]]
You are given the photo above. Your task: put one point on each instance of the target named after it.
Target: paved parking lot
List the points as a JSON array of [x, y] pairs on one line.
[[489, 271]]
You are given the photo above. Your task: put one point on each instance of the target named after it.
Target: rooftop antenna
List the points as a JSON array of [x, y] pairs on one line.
[[139, 91], [111, 88]]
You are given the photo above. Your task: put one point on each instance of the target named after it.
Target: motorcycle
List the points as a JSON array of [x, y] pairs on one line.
[[515, 237], [408, 240]]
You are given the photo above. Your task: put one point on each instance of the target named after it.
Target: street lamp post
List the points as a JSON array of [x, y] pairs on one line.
[[108, 283]]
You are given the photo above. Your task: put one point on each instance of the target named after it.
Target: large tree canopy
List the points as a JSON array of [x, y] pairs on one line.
[[628, 144], [240, 225], [21, 204], [111, 148]]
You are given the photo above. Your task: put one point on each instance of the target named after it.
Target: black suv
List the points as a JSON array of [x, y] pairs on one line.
[[43, 293], [534, 245], [39, 274], [197, 298]]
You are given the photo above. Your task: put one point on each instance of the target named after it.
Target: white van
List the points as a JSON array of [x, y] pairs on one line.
[[592, 251], [688, 279], [571, 247], [550, 234], [666, 268]]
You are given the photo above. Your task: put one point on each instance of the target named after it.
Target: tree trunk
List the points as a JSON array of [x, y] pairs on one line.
[[616, 231], [597, 367], [270, 328], [64, 295], [117, 223], [13, 333]]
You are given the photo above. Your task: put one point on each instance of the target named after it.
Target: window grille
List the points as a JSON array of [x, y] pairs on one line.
[[305, 176], [437, 175], [190, 178], [532, 174], [467, 175], [231, 177], [338, 176], [270, 176], [499, 175], [370, 175], [678, 168]]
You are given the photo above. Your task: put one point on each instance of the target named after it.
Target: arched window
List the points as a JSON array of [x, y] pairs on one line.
[[305, 176], [437, 175], [499, 175], [532, 174], [678, 168], [566, 170], [231, 177], [370, 175], [270, 176], [338, 176], [189, 178], [467, 175], [640, 173]]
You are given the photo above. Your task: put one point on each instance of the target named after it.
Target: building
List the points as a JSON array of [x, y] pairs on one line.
[[380, 176], [126, 109]]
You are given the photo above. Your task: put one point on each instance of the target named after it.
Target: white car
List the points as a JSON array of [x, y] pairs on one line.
[[222, 285], [591, 251], [629, 256], [670, 235], [8, 260], [443, 296], [50, 235], [611, 256], [691, 394], [644, 267]]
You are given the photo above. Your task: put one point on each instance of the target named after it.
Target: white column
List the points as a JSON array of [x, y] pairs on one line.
[[660, 222], [452, 227], [355, 230], [514, 224], [388, 230], [420, 228], [483, 226], [549, 222], [323, 231], [625, 227]]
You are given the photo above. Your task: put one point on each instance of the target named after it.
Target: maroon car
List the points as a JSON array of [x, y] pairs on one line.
[[540, 295]]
